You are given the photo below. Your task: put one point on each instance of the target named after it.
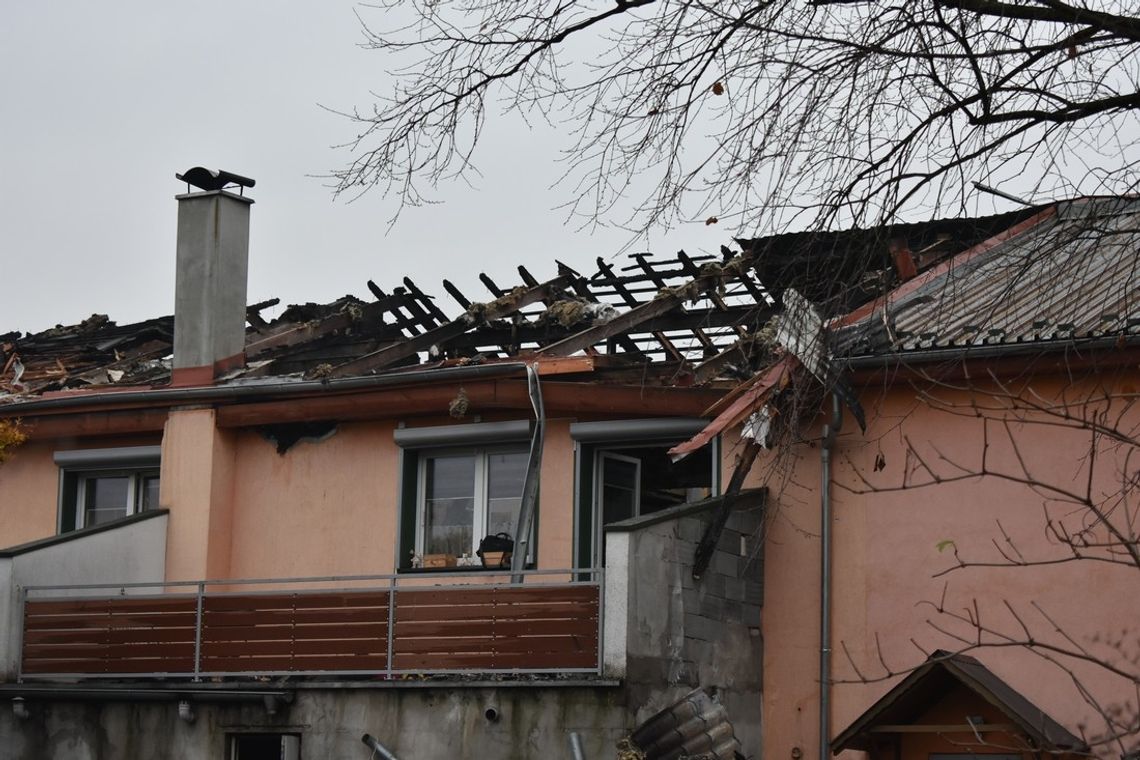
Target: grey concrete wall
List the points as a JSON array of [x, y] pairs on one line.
[[682, 633], [210, 282], [132, 553], [445, 721]]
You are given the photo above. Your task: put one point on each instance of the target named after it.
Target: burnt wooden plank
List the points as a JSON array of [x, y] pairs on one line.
[[427, 301], [456, 293], [495, 310]]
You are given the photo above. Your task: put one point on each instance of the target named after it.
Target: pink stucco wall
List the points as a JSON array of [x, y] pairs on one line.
[[330, 507], [29, 487], [321, 508], [887, 590]]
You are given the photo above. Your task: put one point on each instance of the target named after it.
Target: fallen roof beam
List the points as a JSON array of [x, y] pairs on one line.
[[495, 310], [711, 367], [773, 379]]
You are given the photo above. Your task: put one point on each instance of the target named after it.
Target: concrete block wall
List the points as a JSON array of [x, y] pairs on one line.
[[681, 633]]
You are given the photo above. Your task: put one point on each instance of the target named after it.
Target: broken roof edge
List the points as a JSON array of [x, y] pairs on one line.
[[1047, 733], [869, 310], [776, 377]]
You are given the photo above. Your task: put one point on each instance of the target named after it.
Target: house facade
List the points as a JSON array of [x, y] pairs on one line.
[[961, 573], [233, 537], [894, 462]]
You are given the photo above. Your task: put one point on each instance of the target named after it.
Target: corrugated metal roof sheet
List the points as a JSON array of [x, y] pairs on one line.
[[1071, 276]]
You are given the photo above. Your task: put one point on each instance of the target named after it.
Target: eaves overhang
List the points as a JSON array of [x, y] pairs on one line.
[[498, 387], [1039, 358]]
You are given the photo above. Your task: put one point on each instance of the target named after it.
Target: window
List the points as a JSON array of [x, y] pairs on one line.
[[460, 483], [624, 471], [264, 747], [98, 486], [105, 496], [466, 496]]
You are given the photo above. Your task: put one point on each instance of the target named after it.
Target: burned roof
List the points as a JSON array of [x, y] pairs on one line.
[[1055, 273], [677, 320], [838, 271]]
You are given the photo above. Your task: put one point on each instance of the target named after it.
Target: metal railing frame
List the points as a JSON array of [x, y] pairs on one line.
[[412, 582]]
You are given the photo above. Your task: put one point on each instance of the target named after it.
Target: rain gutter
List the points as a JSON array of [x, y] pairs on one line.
[[996, 351], [172, 396]]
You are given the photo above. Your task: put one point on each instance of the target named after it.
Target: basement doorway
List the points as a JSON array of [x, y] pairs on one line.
[[264, 747]]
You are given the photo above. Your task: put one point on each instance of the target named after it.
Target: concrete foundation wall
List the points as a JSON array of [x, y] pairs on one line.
[[444, 721]]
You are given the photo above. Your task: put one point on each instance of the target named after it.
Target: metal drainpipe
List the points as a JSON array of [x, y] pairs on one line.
[[533, 472], [829, 434]]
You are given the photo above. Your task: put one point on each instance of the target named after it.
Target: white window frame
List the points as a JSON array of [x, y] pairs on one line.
[[78, 466], [600, 458], [134, 477], [481, 485]]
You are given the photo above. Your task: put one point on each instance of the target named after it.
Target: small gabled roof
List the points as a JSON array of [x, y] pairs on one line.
[[928, 683]]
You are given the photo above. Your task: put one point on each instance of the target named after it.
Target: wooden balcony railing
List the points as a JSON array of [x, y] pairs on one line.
[[534, 626]]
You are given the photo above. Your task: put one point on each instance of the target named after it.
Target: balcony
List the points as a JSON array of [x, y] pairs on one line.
[[385, 626]]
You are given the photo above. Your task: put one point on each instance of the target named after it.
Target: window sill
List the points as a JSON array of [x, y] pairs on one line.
[[458, 570]]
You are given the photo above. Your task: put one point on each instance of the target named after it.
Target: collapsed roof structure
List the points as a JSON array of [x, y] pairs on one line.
[[683, 320]]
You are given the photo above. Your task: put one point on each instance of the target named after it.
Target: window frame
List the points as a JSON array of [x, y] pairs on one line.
[[135, 490], [482, 484], [416, 444], [592, 439], [76, 467]]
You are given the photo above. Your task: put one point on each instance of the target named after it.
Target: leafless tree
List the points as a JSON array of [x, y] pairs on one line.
[[812, 113]]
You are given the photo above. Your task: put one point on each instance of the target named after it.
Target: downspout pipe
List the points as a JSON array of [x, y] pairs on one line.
[[829, 434], [530, 483]]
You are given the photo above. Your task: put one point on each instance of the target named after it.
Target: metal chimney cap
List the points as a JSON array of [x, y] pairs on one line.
[[213, 179]]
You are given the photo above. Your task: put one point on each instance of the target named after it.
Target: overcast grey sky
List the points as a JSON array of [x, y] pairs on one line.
[[101, 103]]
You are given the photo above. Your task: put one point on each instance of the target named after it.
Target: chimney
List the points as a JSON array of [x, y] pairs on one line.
[[210, 282]]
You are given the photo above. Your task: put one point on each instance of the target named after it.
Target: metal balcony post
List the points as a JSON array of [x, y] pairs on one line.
[[391, 621], [198, 633], [23, 612]]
